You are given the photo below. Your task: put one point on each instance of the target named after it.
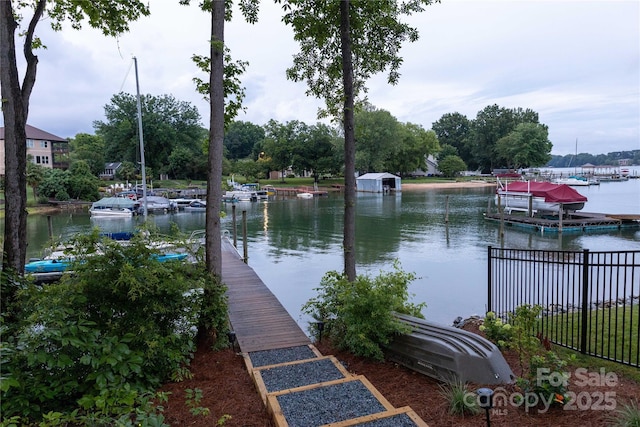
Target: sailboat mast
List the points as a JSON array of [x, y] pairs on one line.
[[142, 164], [575, 166]]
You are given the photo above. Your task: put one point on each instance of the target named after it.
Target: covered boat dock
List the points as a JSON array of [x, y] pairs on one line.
[[573, 223]]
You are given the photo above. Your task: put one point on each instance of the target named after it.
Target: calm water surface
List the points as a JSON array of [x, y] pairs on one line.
[[293, 242]]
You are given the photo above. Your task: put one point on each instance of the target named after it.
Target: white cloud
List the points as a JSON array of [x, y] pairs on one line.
[[577, 63]]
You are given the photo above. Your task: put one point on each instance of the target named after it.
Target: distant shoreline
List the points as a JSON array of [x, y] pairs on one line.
[[432, 185], [405, 186]]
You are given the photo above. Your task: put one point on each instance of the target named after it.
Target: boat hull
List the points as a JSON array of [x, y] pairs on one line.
[[520, 202], [62, 265], [111, 212]]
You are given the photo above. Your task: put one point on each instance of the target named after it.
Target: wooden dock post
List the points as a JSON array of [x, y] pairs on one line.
[[245, 250], [446, 216]]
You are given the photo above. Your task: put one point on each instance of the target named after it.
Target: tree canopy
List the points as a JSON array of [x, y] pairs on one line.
[[495, 138], [241, 138], [167, 124]]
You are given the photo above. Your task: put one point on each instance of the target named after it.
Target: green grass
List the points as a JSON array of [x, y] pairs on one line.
[[604, 326]]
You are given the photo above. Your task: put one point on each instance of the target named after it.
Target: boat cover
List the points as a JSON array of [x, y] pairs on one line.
[[115, 202], [559, 193]]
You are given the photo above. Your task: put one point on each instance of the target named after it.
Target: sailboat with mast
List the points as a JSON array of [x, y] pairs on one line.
[[574, 180]]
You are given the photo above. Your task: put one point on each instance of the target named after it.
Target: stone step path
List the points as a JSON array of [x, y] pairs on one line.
[[302, 388], [298, 385]]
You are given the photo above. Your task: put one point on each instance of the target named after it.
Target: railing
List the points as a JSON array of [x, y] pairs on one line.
[[590, 300]]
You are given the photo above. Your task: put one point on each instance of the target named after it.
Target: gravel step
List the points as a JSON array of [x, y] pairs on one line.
[[281, 355], [325, 403], [299, 373]]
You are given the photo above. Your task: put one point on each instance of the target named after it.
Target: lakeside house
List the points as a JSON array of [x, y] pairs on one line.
[[43, 148]]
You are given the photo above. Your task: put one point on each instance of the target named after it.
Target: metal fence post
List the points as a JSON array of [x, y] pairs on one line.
[[585, 301], [489, 305]]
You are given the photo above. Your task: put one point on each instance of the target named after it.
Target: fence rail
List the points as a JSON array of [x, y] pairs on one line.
[[590, 300]]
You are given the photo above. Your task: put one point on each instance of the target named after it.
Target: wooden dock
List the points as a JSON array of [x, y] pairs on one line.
[[576, 222], [293, 191], [258, 319]]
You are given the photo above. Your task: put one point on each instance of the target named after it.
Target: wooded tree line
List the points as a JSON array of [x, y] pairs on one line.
[[176, 144], [609, 159]]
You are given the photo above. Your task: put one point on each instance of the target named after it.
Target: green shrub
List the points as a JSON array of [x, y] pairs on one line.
[[358, 316], [94, 344], [496, 330], [547, 378], [517, 333]]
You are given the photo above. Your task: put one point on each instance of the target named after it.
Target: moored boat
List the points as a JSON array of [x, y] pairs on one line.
[[242, 195], [114, 207], [158, 204], [574, 181], [534, 196], [183, 202], [196, 206], [61, 265]]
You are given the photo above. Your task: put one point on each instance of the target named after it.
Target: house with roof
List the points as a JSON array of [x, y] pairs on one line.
[[110, 170], [43, 148]]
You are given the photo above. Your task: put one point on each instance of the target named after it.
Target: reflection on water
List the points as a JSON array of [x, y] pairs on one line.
[[293, 242]]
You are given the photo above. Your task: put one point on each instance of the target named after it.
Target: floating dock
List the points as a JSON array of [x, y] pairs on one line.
[[578, 222]]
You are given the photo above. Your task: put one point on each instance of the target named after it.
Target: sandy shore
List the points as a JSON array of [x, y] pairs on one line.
[[430, 185]]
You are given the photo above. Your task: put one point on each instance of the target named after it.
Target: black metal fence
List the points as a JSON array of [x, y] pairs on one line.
[[590, 300]]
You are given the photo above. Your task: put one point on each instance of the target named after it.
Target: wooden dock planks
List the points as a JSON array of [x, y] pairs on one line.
[[257, 317]]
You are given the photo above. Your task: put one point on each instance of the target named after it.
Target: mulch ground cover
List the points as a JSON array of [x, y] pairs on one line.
[[227, 389]]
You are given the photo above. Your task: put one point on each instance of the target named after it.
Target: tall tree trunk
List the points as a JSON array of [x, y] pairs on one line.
[[207, 334], [14, 251], [216, 140], [15, 109], [349, 238]]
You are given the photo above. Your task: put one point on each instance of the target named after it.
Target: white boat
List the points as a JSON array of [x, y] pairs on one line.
[[196, 206], [534, 196], [183, 202], [574, 181], [114, 207], [304, 195], [158, 203], [241, 195]]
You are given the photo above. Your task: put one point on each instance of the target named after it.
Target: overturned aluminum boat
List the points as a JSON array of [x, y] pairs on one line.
[[448, 354]]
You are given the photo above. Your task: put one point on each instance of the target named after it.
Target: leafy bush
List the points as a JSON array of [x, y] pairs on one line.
[[517, 333], [93, 345], [358, 316], [547, 378], [496, 330], [544, 375]]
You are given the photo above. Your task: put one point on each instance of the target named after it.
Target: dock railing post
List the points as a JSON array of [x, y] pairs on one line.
[[235, 226], [245, 250], [585, 301]]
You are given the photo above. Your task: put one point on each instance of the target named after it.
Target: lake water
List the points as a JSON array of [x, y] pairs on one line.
[[293, 242]]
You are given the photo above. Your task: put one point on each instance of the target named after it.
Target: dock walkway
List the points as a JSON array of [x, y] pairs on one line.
[[298, 385]]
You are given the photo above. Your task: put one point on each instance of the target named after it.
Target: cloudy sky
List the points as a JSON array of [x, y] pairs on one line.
[[576, 63]]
